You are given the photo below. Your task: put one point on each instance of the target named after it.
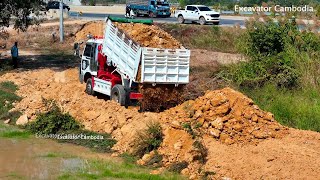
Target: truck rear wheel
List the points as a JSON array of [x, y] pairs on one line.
[[202, 21], [118, 94], [89, 87], [180, 19]]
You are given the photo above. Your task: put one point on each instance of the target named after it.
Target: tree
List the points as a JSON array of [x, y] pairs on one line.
[[18, 11]]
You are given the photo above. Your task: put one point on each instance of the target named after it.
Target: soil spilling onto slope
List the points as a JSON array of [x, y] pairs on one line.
[[160, 97]]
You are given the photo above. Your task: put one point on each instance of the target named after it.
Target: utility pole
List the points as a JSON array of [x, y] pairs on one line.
[[61, 20]]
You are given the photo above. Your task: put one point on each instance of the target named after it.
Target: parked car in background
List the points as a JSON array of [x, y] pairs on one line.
[[198, 13], [151, 8], [56, 5]]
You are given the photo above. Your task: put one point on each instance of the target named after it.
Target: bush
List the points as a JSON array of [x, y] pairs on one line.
[[7, 97], [149, 139], [276, 52], [56, 122], [53, 122]]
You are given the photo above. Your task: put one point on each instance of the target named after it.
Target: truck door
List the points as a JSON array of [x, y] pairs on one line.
[[195, 13], [93, 58], [188, 12], [152, 6], [88, 60]]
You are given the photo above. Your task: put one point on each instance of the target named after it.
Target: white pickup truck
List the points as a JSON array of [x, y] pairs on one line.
[[198, 13]]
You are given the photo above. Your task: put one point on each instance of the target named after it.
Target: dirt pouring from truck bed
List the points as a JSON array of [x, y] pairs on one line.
[[221, 134]]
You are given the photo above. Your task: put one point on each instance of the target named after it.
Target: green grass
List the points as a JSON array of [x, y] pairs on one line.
[[14, 175], [7, 97], [294, 108], [97, 169], [15, 134], [57, 155], [213, 38]]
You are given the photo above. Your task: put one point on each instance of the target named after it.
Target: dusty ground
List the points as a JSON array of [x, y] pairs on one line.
[[269, 159]]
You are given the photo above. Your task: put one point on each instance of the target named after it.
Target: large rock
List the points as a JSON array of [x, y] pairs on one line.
[[22, 120]]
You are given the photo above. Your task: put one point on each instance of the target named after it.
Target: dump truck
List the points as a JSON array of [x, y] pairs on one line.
[[115, 65], [151, 8]]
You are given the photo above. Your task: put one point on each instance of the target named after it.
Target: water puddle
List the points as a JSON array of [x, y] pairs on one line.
[[41, 158]]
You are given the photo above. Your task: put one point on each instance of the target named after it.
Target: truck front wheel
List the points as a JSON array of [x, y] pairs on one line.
[[89, 87], [118, 94], [202, 21], [180, 19]]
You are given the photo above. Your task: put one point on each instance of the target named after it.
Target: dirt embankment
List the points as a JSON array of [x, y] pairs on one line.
[[241, 141]]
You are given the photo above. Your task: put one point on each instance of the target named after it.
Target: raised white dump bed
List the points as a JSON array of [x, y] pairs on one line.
[[158, 66]]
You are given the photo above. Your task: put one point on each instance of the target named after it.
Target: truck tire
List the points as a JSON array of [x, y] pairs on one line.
[[89, 88], [118, 94], [180, 19], [202, 21]]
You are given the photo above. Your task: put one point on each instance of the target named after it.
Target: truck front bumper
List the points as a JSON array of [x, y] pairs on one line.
[[210, 19], [163, 14]]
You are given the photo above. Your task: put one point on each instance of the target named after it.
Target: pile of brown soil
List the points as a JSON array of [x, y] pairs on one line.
[[223, 115], [95, 28], [226, 115], [149, 35], [145, 35]]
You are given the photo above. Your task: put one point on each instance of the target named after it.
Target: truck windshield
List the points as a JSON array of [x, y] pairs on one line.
[[204, 8], [159, 3]]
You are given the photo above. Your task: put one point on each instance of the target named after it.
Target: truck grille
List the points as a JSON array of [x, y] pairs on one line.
[[215, 15]]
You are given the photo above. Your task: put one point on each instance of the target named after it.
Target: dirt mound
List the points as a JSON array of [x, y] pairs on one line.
[[149, 35], [226, 115], [223, 115], [218, 132], [95, 28]]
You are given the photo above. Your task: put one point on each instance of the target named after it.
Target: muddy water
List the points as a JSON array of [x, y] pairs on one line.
[[41, 158]]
